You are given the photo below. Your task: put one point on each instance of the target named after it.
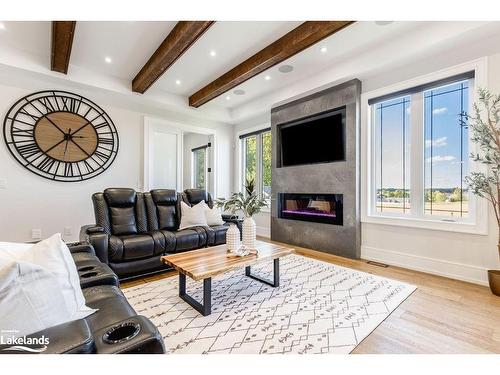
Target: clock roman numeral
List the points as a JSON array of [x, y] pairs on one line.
[[68, 170], [26, 113], [18, 132], [87, 165], [101, 155], [47, 104], [46, 164], [28, 150], [106, 141]]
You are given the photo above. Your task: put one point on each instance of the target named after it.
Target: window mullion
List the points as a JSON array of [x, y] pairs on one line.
[[258, 169], [417, 155]]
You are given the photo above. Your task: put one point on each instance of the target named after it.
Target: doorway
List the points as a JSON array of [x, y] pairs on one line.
[[178, 157]]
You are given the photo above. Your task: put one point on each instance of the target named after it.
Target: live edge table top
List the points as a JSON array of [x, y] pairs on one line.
[[211, 261]]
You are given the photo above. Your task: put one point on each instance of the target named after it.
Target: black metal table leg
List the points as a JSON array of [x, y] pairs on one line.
[[205, 308], [276, 277]]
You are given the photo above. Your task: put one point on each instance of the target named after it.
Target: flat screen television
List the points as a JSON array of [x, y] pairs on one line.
[[311, 140]]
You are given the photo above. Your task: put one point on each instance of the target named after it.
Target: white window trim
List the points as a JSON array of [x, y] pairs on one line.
[[479, 223], [241, 161]]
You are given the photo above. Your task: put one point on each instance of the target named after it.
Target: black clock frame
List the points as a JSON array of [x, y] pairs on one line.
[[73, 109]]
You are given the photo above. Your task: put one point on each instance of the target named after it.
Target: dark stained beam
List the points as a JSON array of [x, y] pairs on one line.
[[182, 36], [62, 41], [295, 41]]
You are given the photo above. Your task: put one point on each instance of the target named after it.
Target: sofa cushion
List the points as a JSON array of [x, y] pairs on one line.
[[130, 247], [187, 239], [121, 204], [165, 201]]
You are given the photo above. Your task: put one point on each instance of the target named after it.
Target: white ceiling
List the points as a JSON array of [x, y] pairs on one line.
[[129, 44]]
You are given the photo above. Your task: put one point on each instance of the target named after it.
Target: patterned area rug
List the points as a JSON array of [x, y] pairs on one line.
[[318, 308]]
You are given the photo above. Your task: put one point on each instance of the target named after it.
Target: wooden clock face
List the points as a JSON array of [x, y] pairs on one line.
[[60, 136]]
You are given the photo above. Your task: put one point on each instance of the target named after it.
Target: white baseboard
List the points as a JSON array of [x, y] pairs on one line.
[[453, 270], [264, 232]]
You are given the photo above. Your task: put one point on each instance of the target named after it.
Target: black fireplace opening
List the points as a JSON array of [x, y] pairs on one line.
[[319, 208]]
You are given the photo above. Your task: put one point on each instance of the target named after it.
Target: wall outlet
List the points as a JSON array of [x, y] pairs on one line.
[[36, 234], [68, 231], [3, 184]]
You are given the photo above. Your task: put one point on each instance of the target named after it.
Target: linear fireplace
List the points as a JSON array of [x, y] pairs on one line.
[[319, 208]]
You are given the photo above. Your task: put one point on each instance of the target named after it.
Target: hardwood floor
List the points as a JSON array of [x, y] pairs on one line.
[[441, 316]]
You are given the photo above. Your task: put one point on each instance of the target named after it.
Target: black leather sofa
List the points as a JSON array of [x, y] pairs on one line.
[[114, 328], [134, 229]]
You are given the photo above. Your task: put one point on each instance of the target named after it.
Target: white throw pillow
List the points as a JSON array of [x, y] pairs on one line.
[[30, 299], [213, 216], [54, 255], [193, 216]]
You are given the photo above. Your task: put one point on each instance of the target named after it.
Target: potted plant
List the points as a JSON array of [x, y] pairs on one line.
[[486, 134], [250, 204]]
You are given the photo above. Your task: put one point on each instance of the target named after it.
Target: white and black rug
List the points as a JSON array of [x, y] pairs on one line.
[[319, 308]]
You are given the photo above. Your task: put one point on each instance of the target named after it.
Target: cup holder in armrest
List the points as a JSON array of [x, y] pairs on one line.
[[88, 274], [86, 268], [121, 333]]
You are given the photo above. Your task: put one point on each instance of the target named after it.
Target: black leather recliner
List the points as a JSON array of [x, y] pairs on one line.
[[114, 328], [133, 230]]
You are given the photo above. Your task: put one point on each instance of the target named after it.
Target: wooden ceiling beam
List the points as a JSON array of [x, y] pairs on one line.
[[62, 41], [295, 41], [183, 35]]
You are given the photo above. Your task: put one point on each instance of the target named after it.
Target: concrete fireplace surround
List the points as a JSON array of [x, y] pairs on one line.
[[341, 177]]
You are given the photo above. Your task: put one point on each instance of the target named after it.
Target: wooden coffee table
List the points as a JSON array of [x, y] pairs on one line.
[[205, 263]]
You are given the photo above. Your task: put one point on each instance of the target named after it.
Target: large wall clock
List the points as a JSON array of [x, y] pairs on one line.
[[60, 136]]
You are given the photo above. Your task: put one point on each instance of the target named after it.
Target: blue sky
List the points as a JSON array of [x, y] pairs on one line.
[[442, 150]]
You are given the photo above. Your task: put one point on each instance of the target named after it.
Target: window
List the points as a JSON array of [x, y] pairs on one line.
[[256, 163], [420, 152], [446, 150], [199, 169]]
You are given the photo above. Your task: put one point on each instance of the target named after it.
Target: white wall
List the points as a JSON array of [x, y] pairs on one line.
[[31, 202], [456, 255]]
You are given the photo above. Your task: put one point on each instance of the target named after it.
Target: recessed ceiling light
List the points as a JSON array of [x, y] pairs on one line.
[[213, 53], [2, 26], [108, 60], [285, 68], [324, 49], [239, 92], [228, 97], [267, 78], [383, 23], [178, 82]]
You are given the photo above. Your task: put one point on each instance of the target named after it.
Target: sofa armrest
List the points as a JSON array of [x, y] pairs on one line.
[[229, 217], [96, 236], [90, 229], [81, 248], [72, 337], [146, 339]]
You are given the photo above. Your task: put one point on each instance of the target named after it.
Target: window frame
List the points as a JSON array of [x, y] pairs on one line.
[[242, 136], [476, 223]]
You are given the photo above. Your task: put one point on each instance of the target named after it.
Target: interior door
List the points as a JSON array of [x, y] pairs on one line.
[[163, 161]]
